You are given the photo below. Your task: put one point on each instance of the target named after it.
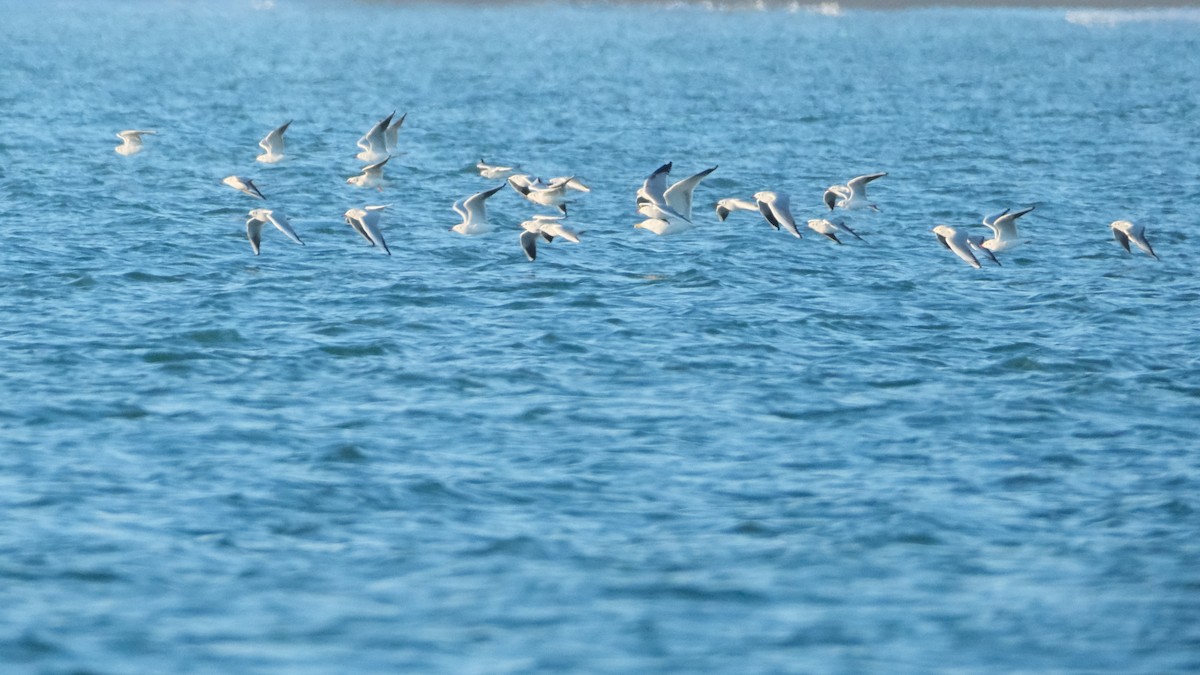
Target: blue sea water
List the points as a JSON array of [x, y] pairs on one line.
[[722, 451]]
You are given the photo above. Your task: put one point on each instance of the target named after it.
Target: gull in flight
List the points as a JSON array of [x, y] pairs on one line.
[[494, 171], [551, 194], [365, 221], [852, 195], [1125, 232], [652, 201], [830, 229], [979, 245], [371, 176], [273, 145], [243, 185], [776, 208], [546, 227], [260, 217], [131, 141], [728, 206], [1004, 229], [374, 143], [957, 242], [473, 211], [678, 197], [391, 135]]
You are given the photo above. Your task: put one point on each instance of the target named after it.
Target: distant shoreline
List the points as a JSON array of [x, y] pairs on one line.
[[885, 5]]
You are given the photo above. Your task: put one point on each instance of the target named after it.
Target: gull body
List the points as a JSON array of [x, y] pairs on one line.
[[365, 221], [852, 195], [1125, 232], [131, 141], [664, 227], [244, 185], [473, 210], [260, 217], [273, 145], [829, 229], [371, 176], [776, 208], [1004, 229], [728, 206], [373, 144], [956, 241]]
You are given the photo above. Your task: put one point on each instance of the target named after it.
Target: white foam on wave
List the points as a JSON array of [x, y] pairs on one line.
[[1114, 17]]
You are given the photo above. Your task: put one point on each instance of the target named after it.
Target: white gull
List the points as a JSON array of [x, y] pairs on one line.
[[956, 241], [131, 141], [273, 145], [244, 185], [260, 217], [1125, 232], [776, 208], [852, 195], [365, 221], [473, 210], [371, 176]]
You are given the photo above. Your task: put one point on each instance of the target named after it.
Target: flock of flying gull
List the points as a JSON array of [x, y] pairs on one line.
[[667, 208]]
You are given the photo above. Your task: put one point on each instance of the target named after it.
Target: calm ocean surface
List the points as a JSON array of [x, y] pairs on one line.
[[723, 451]]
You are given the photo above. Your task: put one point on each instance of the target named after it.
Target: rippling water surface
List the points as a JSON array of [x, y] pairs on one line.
[[723, 451]]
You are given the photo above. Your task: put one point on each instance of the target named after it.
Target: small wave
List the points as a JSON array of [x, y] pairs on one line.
[[1114, 17]]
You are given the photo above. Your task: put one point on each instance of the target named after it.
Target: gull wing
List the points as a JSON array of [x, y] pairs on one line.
[[961, 249], [859, 183], [529, 244], [273, 143], [990, 221], [375, 135], [655, 186], [376, 168], [766, 211], [133, 135], [474, 206], [679, 195], [1005, 225], [841, 225], [355, 221], [370, 228], [781, 208], [254, 232], [392, 133], [833, 194], [281, 223], [556, 229], [1137, 234], [252, 189]]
